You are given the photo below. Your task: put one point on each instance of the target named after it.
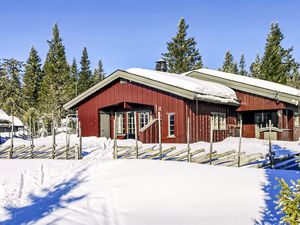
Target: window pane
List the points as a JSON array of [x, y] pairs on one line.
[[171, 125]]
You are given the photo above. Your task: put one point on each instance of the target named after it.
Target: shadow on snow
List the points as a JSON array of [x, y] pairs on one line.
[[269, 214], [41, 206]]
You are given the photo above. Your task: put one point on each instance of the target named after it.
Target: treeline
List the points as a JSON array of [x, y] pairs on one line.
[[276, 64], [35, 90]]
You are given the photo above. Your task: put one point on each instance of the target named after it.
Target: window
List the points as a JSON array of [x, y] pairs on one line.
[[144, 118], [120, 123], [262, 119], [296, 119], [130, 123], [218, 121], [171, 127]]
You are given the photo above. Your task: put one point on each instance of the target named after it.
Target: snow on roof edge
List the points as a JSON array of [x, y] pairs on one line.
[[249, 81], [188, 83]]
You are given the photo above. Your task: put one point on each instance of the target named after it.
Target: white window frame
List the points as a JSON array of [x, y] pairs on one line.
[[218, 120], [130, 124], [169, 124], [142, 119], [296, 119], [120, 122]]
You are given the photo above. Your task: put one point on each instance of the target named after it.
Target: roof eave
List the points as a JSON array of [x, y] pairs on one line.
[[284, 97]]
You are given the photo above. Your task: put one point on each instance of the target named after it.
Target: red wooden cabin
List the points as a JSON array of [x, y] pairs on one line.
[[260, 101], [147, 93]]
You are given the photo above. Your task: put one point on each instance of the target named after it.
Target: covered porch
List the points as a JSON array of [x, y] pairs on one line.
[[128, 116], [255, 124]]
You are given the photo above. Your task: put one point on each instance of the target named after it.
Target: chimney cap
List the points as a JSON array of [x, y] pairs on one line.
[[161, 65], [160, 60]]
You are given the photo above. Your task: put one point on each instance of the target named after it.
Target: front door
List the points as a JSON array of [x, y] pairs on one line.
[[104, 124]]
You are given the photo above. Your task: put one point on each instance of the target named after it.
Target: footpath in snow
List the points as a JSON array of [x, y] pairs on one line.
[[106, 191]]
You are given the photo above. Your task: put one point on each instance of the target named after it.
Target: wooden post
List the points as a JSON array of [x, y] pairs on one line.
[[31, 137], [115, 138], [76, 151], [11, 138], [211, 140], [136, 135], [77, 121], [240, 142], [80, 140], [159, 136], [271, 156], [53, 136], [188, 139], [33, 123], [67, 139]]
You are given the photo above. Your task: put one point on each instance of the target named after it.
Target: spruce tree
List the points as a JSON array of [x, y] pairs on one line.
[[255, 68], [229, 65], [74, 76], [85, 74], [12, 99], [32, 79], [242, 66], [289, 202], [277, 63], [182, 54], [56, 88], [98, 74]]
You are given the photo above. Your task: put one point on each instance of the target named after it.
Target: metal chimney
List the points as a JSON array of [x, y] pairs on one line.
[[161, 65]]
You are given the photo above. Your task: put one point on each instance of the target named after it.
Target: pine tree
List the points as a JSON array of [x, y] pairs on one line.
[[242, 66], [229, 65], [85, 74], [98, 74], [56, 86], [12, 100], [32, 79], [277, 63], [289, 202], [255, 68], [182, 54], [74, 76]]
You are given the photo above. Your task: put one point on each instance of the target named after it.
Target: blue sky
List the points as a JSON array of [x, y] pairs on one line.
[[134, 33]]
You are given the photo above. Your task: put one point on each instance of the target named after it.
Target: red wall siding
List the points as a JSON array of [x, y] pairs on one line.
[[255, 102], [200, 122], [117, 92], [135, 93]]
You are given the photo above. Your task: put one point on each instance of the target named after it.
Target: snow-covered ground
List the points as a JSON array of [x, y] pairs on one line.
[[99, 190]]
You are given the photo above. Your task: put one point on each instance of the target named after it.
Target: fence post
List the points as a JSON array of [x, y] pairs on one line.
[[115, 138], [240, 142], [136, 135], [31, 137], [188, 139], [12, 138], [76, 151], [271, 154], [53, 136], [211, 140], [80, 141], [159, 136], [67, 139]]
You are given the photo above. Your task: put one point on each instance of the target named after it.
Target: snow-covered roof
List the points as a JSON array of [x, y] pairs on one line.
[[211, 90], [17, 121], [3, 116], [177, 84], [258, 83]]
